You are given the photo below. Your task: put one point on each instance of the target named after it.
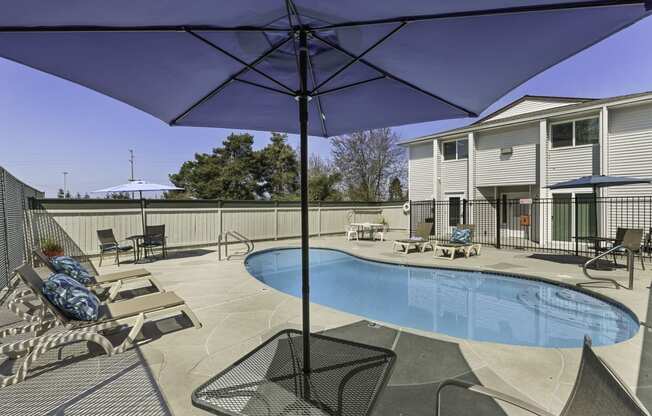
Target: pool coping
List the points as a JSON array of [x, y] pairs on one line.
[[524, 276]]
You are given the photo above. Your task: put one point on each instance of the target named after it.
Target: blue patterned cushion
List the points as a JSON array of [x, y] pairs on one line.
[[461, 236], [71, 297], [71, 267]]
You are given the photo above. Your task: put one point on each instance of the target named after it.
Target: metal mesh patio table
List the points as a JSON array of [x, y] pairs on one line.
[[346, 379]]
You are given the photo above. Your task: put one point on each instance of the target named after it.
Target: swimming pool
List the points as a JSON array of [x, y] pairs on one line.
[[480, 306]]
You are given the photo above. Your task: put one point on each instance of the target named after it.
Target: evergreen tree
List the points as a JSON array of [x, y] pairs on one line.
[[228, 172], [279, 169], [395, 191]]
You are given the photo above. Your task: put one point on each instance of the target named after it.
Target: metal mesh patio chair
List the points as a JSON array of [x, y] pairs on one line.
[[155, 238], [346, 378], [109, 244], [598, 391]]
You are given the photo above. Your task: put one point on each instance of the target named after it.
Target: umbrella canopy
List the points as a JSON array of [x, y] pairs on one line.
[[139, 186], [598, 181], [371, 63], [344, 65]]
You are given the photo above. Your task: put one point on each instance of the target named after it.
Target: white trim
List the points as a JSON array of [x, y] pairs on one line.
[[554, 112]]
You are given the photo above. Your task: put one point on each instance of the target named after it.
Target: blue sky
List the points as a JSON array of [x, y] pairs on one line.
[[48, 125]]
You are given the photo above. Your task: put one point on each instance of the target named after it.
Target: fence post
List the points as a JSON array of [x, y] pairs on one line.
[[410, 214], [577, 227], [498, 208], [464, 212], [276, 220], [318, 218]]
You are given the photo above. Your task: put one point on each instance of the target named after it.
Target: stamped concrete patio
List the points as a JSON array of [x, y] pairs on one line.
[[238, 313]]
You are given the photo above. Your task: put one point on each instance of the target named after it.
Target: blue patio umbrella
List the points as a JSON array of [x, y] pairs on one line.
[[276, 65], [598, 181]]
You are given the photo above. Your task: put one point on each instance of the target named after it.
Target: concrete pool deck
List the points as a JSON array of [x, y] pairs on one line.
[[238, 313]]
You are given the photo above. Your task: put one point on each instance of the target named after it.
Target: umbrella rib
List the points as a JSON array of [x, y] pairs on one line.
[[395, 78], [488, 12], [235, 58], [359, 57], [319, 106], [347, 86], [265, 87], [292, 10], [220, 87]]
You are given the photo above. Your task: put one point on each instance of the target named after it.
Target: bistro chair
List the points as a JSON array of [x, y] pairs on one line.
[[109, 244], [155, 238]]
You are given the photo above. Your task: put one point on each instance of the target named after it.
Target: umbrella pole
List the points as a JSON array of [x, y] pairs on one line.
[[305, 232], [143, 220]]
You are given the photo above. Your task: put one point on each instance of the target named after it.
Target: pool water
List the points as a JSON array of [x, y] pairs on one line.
[[473, 305]]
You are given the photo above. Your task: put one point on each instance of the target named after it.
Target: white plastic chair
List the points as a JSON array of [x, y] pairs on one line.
[[352, 233]]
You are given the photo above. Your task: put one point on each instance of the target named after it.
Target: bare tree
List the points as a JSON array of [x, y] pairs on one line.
[[367, 161]]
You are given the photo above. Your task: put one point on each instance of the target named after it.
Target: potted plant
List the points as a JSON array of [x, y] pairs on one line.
[[51, 248]]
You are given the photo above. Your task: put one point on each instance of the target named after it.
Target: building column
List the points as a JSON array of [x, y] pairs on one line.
[[545, 208], [601, 209], [435, 169], [470, 175]]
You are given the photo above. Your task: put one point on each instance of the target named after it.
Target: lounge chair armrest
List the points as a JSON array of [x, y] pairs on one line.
[[494, 394]]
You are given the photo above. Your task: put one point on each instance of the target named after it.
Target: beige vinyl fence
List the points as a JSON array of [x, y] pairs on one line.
[[199, 223]]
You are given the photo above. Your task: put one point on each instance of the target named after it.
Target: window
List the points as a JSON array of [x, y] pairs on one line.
[[454, 211], [562, 134], [575, 133], [462, 149], [457, 149], [450, 151], [587, 131]]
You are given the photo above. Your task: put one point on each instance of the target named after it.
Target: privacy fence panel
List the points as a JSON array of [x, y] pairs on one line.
[[200, 222], [15, 235], [562, 224]]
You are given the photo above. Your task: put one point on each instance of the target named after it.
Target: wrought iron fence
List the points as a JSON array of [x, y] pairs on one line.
[[562, 224], [15, 235]]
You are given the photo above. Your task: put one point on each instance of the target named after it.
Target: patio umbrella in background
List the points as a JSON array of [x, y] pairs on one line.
[[140, 187], [595, 182], [275, 65]]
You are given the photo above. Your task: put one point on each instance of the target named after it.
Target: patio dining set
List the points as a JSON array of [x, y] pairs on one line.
[[141, 245]]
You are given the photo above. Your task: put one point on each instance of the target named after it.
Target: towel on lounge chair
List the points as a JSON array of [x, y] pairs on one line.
[[71, 297], [71, 267]]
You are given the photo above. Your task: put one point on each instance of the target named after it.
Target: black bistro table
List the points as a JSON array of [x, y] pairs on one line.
[[137, 240], [346, 379]]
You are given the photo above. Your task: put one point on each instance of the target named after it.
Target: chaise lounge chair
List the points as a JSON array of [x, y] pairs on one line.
[[114, 281], [420, 240], [130, 313], [451, 247], [598, 391]]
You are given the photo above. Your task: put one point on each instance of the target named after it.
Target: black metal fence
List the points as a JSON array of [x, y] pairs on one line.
[[562, 224], [15, 235]]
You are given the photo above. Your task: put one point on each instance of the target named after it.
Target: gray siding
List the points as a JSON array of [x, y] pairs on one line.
[[519, 168], [569, 163], [630, 147], [454, 175], [421, 171], [529, 106]]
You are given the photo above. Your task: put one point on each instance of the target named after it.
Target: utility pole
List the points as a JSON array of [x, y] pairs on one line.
[[131, 162], [65, 184]]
